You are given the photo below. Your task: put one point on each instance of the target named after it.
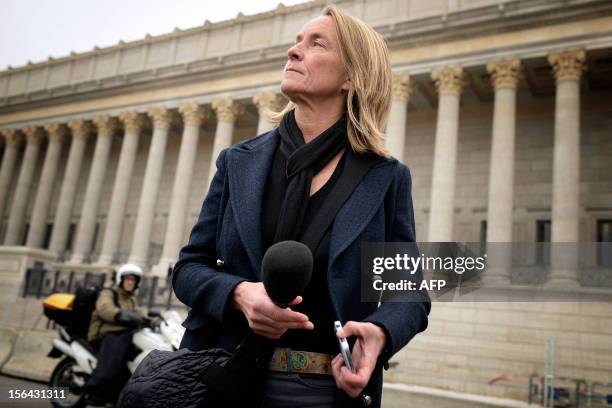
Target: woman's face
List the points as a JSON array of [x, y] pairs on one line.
[[314, 68]]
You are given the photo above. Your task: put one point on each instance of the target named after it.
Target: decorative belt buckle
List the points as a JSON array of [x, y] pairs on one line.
[[299, 360]]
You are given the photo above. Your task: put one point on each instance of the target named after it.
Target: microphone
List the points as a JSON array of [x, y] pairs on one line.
[[286, 269]]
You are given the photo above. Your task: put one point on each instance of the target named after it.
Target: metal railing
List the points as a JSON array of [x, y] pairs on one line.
[[569, 392], [153, 292]]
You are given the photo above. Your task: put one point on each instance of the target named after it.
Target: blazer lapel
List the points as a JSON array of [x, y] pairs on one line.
[[249, 166], [358, 210]]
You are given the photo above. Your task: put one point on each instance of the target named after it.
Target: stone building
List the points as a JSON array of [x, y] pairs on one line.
[[501, 109]]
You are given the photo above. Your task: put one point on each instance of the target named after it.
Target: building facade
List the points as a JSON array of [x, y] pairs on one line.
[[501, 110]]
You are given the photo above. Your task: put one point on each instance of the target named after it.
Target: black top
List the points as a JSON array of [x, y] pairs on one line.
[[316, 302]]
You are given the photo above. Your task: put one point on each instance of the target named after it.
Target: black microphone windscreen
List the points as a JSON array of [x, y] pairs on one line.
[[286, 269]]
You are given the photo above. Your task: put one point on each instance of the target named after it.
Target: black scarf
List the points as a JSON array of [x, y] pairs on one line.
[[303, 161]]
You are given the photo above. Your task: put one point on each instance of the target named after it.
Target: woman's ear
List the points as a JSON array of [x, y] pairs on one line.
[[346, 86]]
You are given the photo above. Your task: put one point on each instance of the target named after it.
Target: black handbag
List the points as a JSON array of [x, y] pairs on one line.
[[207, 378], [173, 379]]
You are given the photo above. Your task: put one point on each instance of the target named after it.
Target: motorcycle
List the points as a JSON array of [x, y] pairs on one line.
[[163, 331]]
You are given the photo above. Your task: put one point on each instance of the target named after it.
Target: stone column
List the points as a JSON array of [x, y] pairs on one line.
[[193, 117], [106, 127], [148, 197], [61, 226], [504, 77], [12, 139], [227, 111], [567, 68], [14, 231], [42, 203], [266, 102], [133, 124], [395, 136], [448, 82]]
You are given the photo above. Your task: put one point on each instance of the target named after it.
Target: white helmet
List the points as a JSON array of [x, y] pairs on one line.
[[128, 269]]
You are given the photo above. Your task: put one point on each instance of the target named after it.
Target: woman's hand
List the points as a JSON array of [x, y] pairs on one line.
[[370, 342], [264, 317]]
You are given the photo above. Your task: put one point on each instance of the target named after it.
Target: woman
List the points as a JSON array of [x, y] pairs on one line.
[[273, 188]]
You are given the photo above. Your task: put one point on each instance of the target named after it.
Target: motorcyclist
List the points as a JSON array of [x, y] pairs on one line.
[[110, 330], [112, 317]]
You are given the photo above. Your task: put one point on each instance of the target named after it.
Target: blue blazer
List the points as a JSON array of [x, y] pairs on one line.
[[225, 248]]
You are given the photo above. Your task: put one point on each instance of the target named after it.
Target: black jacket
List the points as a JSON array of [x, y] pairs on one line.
[[229, 230]]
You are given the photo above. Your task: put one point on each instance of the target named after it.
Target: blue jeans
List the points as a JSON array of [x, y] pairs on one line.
[[289, 390]]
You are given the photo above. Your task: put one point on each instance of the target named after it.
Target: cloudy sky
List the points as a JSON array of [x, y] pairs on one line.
[[36, 29]]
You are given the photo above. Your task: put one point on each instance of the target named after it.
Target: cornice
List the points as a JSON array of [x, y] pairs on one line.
[[514, 8], [475, 23]]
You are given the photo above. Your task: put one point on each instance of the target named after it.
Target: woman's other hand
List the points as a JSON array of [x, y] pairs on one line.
[[370, 342], [264, 317]]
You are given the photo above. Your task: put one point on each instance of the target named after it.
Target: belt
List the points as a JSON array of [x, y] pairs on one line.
[[294, 361]]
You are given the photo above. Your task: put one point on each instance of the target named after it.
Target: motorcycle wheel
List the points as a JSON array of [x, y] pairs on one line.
[[62, 376]]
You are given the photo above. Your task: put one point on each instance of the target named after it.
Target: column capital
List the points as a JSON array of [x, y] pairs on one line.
[[401, 87], [80, 128], [161, 116], [12, 137], [567, 65], [133, 122], [55, 131], [504, 73], [33, 134], [105, 124], [268, 101], [227, 109], [194, 114], [448, 79]]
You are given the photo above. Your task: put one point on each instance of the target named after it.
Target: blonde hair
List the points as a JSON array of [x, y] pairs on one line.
[[366, 60]]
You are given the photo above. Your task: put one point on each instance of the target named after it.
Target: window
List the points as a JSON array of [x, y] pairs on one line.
[[483, 231], [48, 232], [70, 240], [95, 237], [94, 243], [543, 238], [25, 234], [604, 238], [483, 236]]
